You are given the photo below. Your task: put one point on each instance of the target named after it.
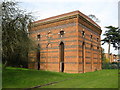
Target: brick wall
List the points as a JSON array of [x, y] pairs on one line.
[[76, 59]]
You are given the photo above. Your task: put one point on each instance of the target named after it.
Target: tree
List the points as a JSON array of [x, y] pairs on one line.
[[94, 18], [103, 58], [15, 41], [112, 36]]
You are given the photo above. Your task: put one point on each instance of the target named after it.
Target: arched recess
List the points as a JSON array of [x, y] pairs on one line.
[[83, 56], [61, 48], [48, 56], [38, 57], [98, 58], [91, 47]]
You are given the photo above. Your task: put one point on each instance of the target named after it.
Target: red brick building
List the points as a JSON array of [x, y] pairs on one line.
[[113, 57], [68, 43]]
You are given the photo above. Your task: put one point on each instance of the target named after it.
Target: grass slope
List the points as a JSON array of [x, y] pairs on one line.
[[98, 79], [25, 78]]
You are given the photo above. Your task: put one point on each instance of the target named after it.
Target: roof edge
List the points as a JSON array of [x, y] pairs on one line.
[[66, 15]]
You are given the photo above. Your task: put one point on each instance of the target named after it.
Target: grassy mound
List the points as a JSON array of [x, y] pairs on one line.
[[26, 78]]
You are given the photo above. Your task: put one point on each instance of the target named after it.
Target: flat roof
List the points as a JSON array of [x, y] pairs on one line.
[[77, 12]]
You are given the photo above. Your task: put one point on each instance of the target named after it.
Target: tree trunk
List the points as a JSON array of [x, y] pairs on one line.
[[109, 50], [5, 65]]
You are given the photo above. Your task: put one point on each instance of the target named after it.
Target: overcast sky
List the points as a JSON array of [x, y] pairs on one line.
[[105, 10]]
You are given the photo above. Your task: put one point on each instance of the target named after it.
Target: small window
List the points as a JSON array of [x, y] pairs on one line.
[[91, 36], [97, 47], [83, 33], [38, 36], [49, 35], [61, 33], [91, 46], [97, 39], [83, 43]]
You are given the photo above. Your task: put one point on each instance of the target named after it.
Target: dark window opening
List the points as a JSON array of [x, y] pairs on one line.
[[83, 56], [83, 33], [38, 57], [61, 32], [38, 36], [61, 57], [83, 43], [91, 36], [91, 45], [97, 39], [97, 47]]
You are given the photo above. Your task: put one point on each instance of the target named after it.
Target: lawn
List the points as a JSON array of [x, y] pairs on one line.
[[98, 79], [26, 78]]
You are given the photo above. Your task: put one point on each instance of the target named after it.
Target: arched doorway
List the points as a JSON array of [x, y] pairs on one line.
[[91, 57], [38, 57], [83, 56], [61, 57]]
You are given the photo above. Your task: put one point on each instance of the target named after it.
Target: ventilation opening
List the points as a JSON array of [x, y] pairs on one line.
[[38, 36], [83, 33], [61, 32], [97, 39], [91, 36]]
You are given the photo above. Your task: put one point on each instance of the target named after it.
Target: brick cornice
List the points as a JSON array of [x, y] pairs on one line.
[[92, 24], [66, 16], [54, 20], [58, 16]]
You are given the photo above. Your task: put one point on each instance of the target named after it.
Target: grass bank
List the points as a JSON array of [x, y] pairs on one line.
[[26, 78], [98, 79]]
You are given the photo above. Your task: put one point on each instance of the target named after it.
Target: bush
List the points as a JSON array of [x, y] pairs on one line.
[[114, 63], [114, 66], [110, 65]]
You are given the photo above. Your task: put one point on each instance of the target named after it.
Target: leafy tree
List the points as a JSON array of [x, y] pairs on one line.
[[94, 18], [112, 36], [103, 55], [15, 41]]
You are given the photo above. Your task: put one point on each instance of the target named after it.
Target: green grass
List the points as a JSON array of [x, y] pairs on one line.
[[25, 78], [98, 79]]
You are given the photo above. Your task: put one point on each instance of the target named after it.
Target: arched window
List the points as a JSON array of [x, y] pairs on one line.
[[83, 56], [61, 48], [38, 56], [83, 49]]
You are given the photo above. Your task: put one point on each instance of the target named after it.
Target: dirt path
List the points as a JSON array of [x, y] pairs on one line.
[[49, 83]]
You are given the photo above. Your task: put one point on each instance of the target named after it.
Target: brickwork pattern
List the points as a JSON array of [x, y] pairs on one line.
[[77, 58]]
